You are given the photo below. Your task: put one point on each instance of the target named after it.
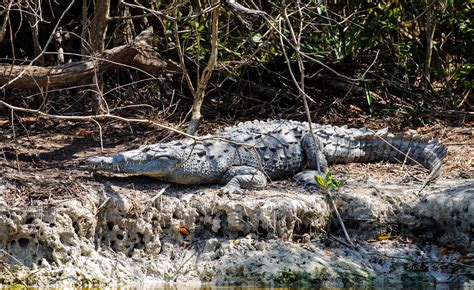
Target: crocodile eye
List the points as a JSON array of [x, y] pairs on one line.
[[166, 157]]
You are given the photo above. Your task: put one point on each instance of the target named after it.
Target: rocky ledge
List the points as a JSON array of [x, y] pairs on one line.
[[133, 230]]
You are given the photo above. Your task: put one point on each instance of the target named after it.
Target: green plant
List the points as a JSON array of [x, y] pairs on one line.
[[328, 183]]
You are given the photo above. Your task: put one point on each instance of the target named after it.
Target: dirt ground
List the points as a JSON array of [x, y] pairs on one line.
[[44, 159]]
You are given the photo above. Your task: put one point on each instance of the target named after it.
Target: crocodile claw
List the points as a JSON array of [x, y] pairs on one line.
[[231, 189]]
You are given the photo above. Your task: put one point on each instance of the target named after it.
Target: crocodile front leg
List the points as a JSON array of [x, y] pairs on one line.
[[243, 177]]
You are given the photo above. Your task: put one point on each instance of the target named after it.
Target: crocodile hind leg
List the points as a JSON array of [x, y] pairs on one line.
[[243, 177], [314, 153], [315, 156]]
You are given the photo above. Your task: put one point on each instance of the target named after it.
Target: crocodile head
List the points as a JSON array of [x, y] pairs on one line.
[[146, 160]]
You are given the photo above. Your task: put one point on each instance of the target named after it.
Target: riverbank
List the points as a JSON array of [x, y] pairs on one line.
[[62, 225]]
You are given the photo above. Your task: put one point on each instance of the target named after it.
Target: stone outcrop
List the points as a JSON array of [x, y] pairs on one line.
[[128, 231]]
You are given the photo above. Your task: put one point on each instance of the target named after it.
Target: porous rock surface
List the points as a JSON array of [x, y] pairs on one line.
[[127, 231]]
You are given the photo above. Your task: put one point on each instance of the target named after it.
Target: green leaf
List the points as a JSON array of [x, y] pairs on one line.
[[335, 184], [327, 178], [319, 180]]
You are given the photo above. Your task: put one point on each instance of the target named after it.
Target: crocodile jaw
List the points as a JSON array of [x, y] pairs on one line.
[[135, 162]]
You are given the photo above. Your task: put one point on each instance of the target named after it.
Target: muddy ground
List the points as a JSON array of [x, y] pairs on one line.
[[62, 223]]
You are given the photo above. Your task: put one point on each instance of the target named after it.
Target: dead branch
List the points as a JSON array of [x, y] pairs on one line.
[[6, 18], [240, 9]]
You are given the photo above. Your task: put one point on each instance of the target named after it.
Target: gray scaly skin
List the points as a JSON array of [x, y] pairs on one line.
[[273, 150]]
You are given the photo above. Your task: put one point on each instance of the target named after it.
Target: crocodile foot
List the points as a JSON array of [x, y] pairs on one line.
[[239, 178], [308, 176], [231, 189]]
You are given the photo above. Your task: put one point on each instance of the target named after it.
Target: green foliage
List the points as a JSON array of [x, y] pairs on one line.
[[462, 71], [390, 37], [399, 31], [464, 75], [327, 182]]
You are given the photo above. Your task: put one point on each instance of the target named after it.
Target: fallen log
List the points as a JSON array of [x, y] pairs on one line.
[[139, 55]]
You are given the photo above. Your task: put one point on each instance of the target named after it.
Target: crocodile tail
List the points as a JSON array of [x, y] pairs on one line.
[[342, 145]]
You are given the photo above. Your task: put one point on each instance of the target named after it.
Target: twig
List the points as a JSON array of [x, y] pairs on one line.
[[301, 90], [339, 218], [130, 17], [165, 13], [115, 88], [300, 86], [100, 135], [95, 118], [203, 79], [341, 241], [405, 160], [240, 9], [8, 269], [152, 200], [13, 257], [102, 205], [370, 66]]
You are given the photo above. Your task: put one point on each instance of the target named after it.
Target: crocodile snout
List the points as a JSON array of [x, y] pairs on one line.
[[98, 160], [137, 162]]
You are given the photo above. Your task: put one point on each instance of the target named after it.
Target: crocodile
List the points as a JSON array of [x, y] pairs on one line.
[[250, 154]]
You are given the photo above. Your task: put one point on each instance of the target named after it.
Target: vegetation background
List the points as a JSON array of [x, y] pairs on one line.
[[406, 62]]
